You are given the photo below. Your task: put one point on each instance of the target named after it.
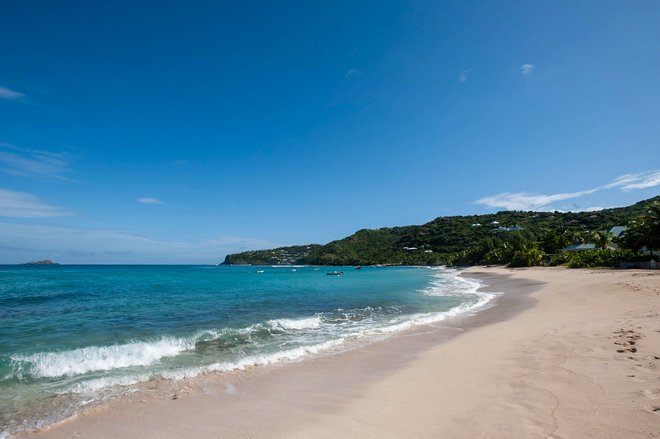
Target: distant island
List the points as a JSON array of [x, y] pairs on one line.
[[599, 238], [44, 262]]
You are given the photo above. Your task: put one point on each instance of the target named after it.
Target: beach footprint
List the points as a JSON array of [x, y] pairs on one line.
[[654, 409], [626, 340], [651, 394]]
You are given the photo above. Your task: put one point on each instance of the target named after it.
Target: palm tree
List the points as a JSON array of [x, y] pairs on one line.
[[580, 236], [602, 239]]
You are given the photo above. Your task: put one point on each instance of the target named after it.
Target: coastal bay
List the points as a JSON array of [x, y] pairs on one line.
[[564, 353]]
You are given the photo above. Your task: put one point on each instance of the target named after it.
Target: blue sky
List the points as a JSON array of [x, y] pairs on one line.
[[164, 132]]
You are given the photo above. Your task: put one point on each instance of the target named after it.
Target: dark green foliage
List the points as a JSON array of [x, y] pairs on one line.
[[599, 258], [601, 238], [526, 256], [559, 259], [644, 231], [277, 256], [457, 240], [553, 241]]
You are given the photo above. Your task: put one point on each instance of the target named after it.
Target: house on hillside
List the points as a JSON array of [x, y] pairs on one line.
[[618, 231], [579, 247], [509, 229]]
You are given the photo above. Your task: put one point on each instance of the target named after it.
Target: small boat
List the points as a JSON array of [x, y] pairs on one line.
[[260, 271], [359, 267], [335, 273]]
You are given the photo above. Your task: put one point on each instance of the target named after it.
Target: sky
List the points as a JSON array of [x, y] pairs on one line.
[[177, 132]]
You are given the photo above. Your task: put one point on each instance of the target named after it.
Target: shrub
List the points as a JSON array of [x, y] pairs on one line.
[[600, 258], [526, 257], [559, 259]]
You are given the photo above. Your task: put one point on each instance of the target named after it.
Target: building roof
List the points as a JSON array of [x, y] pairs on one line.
[[580, 247], [618, 230], [509, 229]]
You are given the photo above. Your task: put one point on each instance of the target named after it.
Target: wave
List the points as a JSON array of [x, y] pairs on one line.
[[450, 283], [95, 358], [293, 354], [446, 283], [297, 324], [257, 360], [94, 385]]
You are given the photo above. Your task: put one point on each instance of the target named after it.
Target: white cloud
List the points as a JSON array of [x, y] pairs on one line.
[[463, 77], [527, 201], [24, 205], [25, 242], [352, 72], [148, 200], [640, 180], [8, 93], [527, 69], [30, 162]]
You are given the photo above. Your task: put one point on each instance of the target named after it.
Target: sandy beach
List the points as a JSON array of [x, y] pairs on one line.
[[563, 354]]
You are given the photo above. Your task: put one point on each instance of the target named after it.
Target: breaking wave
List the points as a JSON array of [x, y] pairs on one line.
[[103, 358]]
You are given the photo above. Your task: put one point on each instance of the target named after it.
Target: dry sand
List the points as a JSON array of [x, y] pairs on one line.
[[564, 354]]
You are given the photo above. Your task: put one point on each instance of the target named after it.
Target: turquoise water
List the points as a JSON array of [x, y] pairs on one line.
[[70, 334]]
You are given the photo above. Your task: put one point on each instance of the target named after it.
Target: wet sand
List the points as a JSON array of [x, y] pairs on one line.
[[564, 353]]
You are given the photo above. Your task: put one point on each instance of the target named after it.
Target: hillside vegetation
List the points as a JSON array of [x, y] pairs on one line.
[[513, 237]]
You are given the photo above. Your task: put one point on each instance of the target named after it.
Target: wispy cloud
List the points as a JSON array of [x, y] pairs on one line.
[[148, 200], [24, 242], [640, 180], [527, 201], [463, 77], [352, 72], [530, 201], [23, 205], [8, 93], [32, 162], [528, 69]]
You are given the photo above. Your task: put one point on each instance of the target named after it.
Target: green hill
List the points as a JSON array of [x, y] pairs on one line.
[[453, 239]]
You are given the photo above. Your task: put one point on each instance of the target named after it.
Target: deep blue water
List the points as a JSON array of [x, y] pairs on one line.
[[81, 330]]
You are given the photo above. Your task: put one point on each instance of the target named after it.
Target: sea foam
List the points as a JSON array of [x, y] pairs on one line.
[[98, 358], [297, 324], [447, 283]]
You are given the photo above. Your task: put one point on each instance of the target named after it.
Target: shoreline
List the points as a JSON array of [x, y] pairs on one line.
[[395, 351], [362, 392]]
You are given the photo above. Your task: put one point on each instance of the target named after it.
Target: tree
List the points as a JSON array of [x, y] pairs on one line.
[[601, 238], [645, 230], [554, 241], [527, 256]]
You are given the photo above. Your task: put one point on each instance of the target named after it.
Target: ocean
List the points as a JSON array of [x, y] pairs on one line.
[[75, 335]]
